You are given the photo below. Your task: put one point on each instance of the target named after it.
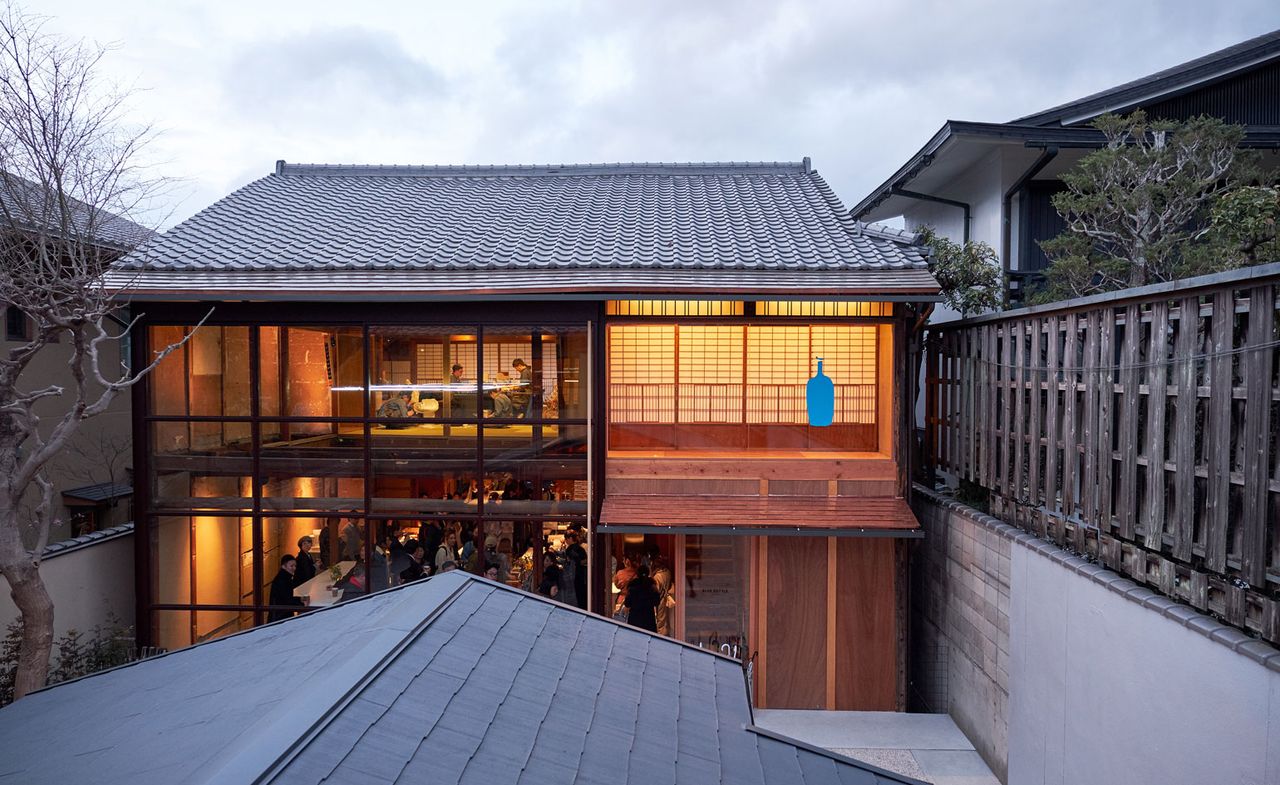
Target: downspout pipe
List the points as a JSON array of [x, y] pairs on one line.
[[896, 191], [1006, 207]]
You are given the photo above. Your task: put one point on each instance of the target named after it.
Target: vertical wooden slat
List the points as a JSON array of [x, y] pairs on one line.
[[991, 367], [1218, 432], [1256, 438], [1157, 371], [1184, 446], [1052, 424], [1018, 476], [1126, 501], [970, 370], [1006, 406], [935, 432], [1070, 439], [1089, 375], [954, 384], [1106, 403], [1035, 426]]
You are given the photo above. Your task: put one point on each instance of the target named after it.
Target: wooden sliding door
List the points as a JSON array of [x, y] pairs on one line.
[[828, 625]]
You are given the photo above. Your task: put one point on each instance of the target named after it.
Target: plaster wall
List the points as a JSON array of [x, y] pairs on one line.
[[88, 584], [1106, 690], [1062, 672], [100, 450]]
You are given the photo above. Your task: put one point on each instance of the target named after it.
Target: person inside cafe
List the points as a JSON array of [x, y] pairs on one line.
[[502, 405], [282, 589], [642, 601], [415, 570], [399, 407], [306, 569], [462, 404], [522, 395]]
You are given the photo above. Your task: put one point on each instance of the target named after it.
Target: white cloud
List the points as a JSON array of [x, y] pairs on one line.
[[858, 86]]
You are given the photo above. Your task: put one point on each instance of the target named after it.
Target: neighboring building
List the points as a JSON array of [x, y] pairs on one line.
[[451, 680], [93, 476], [993, 182], [668, 318]]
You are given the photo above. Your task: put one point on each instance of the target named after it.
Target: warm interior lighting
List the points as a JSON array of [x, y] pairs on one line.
[[737, 373], [674, 308], [821, 308]]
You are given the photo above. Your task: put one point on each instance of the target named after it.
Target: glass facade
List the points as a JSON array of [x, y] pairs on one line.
[[360, 437]]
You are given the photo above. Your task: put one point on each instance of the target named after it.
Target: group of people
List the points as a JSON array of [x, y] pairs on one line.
[[510, 401], [404, 555], [564, 570], [643, 586], [294, 571]]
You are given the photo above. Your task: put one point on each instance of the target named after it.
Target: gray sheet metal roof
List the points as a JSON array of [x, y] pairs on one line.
[[451, 680], [103, 491], [591, 219]]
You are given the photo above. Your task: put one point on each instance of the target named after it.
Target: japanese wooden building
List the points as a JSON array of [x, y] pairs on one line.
[[623, 348]]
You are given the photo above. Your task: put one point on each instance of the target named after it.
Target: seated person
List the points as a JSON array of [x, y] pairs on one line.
[[522, 396], [501, 405], [398, 407]]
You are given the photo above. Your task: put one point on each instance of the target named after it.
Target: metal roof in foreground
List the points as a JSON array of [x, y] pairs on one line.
[[591, 228], [450, 680]]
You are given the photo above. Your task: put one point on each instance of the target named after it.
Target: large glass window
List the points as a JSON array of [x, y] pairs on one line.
[[739, 386], [360, 438]]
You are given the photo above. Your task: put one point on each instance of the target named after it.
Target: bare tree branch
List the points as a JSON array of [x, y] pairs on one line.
[[69, 181]]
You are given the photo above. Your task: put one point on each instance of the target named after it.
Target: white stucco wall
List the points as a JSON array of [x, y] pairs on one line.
[[1105, 690], [979, 186], [87, 584]]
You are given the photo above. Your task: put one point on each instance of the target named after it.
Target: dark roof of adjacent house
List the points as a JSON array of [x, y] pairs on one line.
[[1182, 77], [451, 680], [959, 145], [100, 492], [311, 230]]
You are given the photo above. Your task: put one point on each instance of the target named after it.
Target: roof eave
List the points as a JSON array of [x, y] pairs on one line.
[[1086, 138], [1181, 79]]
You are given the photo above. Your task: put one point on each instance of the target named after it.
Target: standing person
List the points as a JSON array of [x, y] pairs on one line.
[[576, 555], [663, 580], [306, 564], [493, 558], [430, 535], [642, 601], [415, 570], [282, 589], [550, 586], [621, 580], [522, 396], [448, 550]]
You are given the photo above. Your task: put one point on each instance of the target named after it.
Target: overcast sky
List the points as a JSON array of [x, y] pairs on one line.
[[859, 86]]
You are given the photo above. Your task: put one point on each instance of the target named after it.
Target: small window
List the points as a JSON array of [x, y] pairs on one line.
[[17, 327], [674, 308]]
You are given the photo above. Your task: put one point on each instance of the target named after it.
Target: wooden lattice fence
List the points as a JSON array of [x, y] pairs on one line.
[[1139, 428]]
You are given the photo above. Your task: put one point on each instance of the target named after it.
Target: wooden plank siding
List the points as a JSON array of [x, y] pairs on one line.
[[1140, 428]]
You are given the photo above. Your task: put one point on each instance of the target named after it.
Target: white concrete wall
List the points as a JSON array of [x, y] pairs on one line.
[[87, 583], [1106, 690]]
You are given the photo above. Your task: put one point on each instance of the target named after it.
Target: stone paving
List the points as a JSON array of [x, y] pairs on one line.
[[928, 747]]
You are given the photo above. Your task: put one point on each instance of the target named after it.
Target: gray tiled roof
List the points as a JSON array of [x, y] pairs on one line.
[[590, 217], [25, 204], [450, 680]]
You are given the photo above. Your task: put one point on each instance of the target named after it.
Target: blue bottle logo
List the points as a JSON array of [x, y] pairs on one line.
[[820, 396]]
